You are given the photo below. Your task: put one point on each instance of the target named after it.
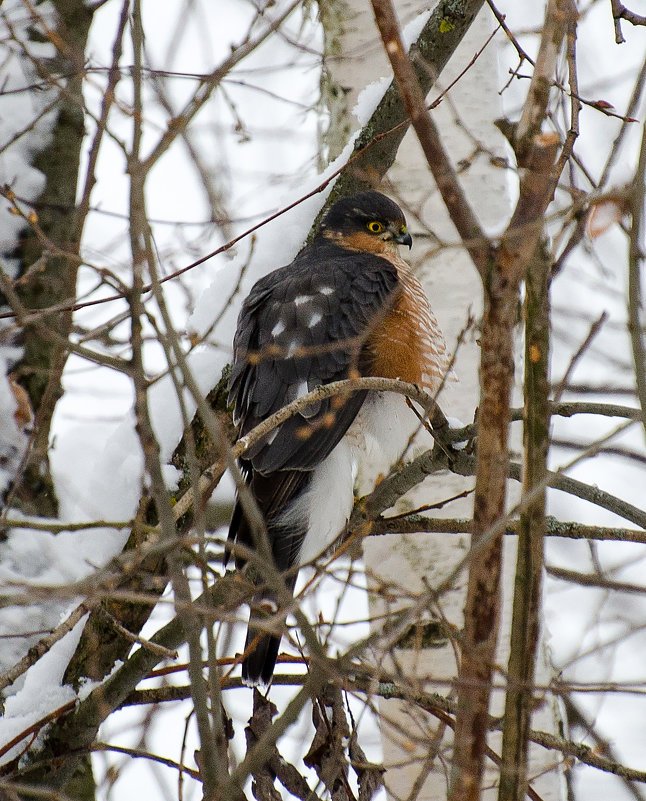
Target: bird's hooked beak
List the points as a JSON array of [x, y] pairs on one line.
[[401, 236]]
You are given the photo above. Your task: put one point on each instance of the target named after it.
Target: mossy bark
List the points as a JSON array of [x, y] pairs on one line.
[[54, 282]]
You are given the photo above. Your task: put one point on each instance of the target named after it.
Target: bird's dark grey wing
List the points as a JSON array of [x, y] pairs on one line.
[[302, 326]]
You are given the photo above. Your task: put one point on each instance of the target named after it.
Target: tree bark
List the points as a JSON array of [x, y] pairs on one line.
[[41, 366], [525, 629]]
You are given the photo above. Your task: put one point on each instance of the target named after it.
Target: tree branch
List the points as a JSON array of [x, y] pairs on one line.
[[413, 96], [415, 523], [446, 26], [619, 12], [385, 687], [635, 262], [525, 625]]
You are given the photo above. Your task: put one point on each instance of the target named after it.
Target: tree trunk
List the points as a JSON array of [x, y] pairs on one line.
[[413, 748], [47, 254], [54, 246]]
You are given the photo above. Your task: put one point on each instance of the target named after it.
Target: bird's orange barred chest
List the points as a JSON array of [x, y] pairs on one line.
[[408, 344]]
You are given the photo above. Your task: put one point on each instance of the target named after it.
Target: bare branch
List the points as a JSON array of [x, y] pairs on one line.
[[525, 627], [635, 262], [619, 12]]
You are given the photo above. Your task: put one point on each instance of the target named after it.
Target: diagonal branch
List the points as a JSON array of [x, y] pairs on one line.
[[461, 213], [447, 25], [180, 122]]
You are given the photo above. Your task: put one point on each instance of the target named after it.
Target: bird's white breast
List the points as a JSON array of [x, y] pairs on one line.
[[376, 440]]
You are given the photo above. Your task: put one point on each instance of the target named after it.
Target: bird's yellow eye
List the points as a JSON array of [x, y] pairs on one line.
[[375, 227]]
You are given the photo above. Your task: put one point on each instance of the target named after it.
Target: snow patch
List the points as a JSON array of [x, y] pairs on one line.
[[13, 441], [41, 693], [19, 110], [369, 98], [412, 31]]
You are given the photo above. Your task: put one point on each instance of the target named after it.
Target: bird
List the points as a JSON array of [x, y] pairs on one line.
[[348, 305]]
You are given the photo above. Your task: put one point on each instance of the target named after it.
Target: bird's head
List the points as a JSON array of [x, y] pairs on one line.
[[368, 221]]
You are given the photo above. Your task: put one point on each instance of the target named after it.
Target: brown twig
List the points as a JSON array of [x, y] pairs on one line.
[[526, 611], [636, 258], [37, 726], [434, 703], [592, 580], [583, 347], [619, 12], [107, 101], [522, 54], [141, 754]]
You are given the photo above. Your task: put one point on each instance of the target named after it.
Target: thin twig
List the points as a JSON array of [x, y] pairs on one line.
[[635, 262], [619, 12]]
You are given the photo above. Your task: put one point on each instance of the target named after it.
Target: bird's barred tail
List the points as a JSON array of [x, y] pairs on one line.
[[274, 494], [258, 667]]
